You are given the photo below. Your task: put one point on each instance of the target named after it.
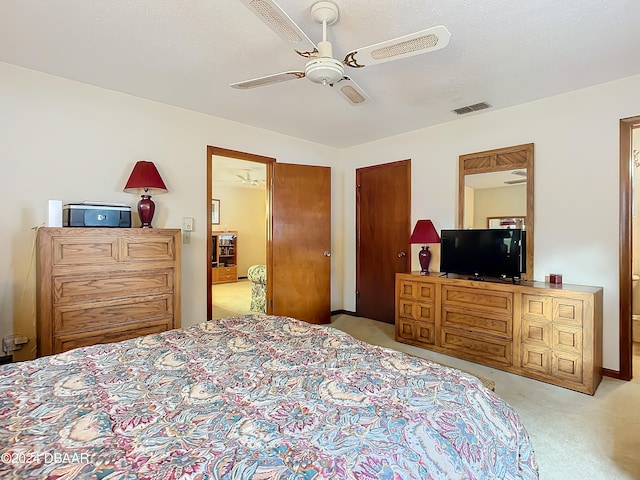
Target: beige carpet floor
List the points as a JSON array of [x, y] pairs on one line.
[[576, 436], [228, 299]]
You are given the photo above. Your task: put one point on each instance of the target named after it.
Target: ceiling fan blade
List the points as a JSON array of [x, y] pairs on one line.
[[428, 40], [268, 80], [351, 91], [270, 13]]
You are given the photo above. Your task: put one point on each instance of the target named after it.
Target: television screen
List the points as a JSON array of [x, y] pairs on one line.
[[483, 252]]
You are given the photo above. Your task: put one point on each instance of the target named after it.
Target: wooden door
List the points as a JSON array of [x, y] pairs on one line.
[[301, 242], [383, 228]]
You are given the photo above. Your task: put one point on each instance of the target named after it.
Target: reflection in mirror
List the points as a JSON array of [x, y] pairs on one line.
[[495, 190], [497, 196], [506, 222]]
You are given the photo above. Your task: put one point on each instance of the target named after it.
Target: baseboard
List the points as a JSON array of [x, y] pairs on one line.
[[343, 312], [611, 373]]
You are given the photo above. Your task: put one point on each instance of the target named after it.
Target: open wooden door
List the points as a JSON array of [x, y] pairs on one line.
[[383, 225], [301, 242]]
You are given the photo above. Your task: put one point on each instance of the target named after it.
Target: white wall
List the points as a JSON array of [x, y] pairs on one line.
[[576, 137], [64, 140]]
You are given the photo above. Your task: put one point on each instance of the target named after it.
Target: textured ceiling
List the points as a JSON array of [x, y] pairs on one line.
[[186, 53]]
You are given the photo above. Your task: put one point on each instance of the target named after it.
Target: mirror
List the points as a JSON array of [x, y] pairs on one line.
[[495, 190]]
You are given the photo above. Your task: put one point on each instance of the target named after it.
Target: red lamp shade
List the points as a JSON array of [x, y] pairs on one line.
[[145, 177], [424, 232]]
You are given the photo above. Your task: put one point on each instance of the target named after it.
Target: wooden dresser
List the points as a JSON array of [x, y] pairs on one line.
[[100, 285], [549, 332]]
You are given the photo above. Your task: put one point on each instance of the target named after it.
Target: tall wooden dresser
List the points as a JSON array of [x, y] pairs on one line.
[[100, 285]]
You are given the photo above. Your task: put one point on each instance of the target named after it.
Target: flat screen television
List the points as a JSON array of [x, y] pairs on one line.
[[483, 252]]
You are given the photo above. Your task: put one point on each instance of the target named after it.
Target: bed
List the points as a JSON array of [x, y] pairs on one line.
[[253, 397]]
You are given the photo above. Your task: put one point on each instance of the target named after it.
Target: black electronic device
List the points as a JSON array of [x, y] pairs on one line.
[[104, 215], [484, 252]]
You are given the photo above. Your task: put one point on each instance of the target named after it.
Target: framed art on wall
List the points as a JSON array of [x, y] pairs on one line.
[[215, 212]]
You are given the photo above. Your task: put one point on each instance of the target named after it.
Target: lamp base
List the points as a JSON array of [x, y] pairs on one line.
[[146, 209], [425, 259]]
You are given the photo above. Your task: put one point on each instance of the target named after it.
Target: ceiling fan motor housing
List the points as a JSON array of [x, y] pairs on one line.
[[324, 69]]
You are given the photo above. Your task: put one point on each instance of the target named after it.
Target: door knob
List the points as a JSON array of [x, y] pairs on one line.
[[327, 254], [402, 254]]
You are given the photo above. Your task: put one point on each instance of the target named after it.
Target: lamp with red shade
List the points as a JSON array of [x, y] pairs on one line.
[[424, 232], [145, 177]]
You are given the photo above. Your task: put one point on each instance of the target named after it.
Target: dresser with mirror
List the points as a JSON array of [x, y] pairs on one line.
[[549, 332]]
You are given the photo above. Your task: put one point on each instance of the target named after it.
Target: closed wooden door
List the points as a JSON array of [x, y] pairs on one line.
[[383, 227], [301, 242]]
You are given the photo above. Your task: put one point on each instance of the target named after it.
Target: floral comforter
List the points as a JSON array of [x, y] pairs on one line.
[[253, 397]]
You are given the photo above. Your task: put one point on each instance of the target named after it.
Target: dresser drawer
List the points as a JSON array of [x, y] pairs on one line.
[[541, 307], [92, 287], [536, 359], [416, 290], [416, 311], [77, 251], [479, 299], [568, 310], [147, 249], [553, 349], [106, 314], [567, 338], [422, 332], [470, 344], [536, 332], [481, 322], [224, 274], [62, 343], [566, 365]]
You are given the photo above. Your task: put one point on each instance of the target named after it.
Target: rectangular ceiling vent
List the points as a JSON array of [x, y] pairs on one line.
[[472, 108]]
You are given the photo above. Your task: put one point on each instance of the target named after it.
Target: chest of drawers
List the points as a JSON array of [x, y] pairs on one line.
[[100, 285], [549, 332]]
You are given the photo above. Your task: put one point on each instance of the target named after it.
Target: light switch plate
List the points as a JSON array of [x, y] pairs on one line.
[[187, 224]]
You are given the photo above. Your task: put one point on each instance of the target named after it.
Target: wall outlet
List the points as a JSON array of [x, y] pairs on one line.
[[7, 345], [11, 343]]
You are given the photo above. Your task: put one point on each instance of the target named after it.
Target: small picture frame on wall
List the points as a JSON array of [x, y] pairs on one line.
[[215, 211]]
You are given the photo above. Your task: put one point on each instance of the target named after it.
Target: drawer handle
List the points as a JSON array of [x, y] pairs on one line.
[[402, 254]]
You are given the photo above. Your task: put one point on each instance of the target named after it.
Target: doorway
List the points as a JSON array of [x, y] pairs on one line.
[[627, 192], [298, 232], [218, 222], [383, 228]]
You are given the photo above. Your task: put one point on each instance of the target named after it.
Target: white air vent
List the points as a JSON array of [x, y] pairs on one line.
[[472, 108]]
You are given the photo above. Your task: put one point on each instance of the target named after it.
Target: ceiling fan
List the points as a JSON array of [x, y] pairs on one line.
[[246, 178], [321, 67], [520, 173]]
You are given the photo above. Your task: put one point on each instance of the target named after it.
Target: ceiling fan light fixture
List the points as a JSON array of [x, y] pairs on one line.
[[324, 70]]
